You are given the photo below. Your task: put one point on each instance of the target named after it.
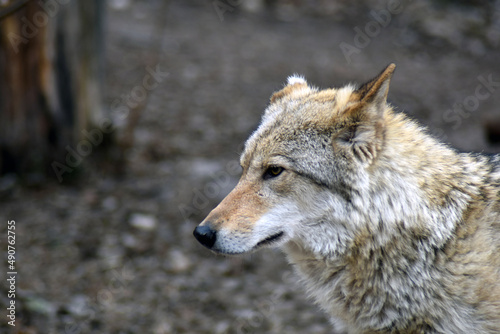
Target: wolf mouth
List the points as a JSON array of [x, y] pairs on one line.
[[270, 240]]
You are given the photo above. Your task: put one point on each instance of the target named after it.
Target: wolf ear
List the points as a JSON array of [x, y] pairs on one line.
[[363, 128], [375, 91], [295, 82]]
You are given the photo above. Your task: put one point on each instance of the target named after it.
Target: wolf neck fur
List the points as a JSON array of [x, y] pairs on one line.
[[404, 203]]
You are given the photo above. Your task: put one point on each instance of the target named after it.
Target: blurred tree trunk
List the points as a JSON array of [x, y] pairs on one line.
[[50, 75]]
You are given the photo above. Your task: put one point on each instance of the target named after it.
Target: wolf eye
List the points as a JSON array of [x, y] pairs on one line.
[[273, 171]]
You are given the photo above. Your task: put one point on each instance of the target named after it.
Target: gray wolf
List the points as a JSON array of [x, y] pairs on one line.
[[390, 230]]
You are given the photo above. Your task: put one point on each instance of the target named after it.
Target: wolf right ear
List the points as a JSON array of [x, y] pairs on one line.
[[294, 83], [375, 91], [362, 133]]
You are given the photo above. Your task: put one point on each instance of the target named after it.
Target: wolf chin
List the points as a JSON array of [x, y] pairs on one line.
[[390, 230]]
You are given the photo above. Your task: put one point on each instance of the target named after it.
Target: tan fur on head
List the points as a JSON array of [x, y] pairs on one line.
[[296, 87]]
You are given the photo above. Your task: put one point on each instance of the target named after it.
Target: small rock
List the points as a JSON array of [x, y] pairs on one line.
[[120, 4], [143, 221], [79, 306], [110, 203], [178, 261], [222, 327], [111, 251], [163, 327], [40, 305], [130, 241], [253, 6]]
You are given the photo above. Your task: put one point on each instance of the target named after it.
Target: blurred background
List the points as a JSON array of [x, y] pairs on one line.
[[121, 122]]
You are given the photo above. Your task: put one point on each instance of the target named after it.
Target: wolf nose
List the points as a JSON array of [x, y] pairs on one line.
[[205, 235]]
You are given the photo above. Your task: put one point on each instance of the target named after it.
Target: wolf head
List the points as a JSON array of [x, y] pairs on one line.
[[302, 167]]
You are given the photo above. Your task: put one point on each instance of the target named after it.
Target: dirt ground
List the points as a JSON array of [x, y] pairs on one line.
[[114, 253]]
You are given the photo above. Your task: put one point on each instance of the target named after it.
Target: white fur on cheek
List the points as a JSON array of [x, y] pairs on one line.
[[282, 218]]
